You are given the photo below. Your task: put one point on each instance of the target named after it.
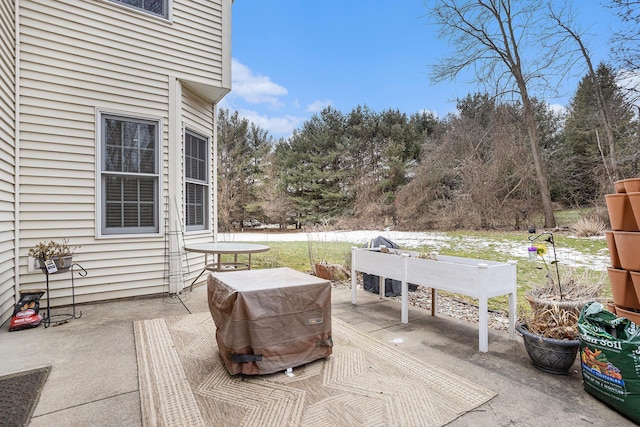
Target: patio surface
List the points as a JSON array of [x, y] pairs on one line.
[[93, 379]]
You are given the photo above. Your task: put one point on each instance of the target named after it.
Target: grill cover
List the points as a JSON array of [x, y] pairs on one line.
[[270, 320]]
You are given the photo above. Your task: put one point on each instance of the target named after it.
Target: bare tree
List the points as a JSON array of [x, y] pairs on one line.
[[626, 39], [574, 34], [508, 46], [475, 174]]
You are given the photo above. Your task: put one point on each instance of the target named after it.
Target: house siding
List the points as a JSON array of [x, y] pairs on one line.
[[79, 57], [7, 160], [198, 117]]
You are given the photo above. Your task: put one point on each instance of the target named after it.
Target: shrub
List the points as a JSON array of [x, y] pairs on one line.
[[588, 226]]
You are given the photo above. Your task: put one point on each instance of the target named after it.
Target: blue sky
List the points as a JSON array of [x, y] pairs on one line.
[[291, 58]]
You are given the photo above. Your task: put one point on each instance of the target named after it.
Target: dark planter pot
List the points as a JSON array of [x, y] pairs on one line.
[[63, 264], [548, 354]]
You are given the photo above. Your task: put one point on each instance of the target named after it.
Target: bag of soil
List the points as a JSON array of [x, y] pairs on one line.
[[27, 312], [610, 359]]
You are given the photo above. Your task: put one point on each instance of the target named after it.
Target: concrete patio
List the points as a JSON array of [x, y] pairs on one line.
[[93, 379]]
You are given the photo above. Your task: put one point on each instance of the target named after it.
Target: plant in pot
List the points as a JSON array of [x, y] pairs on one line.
[[550, 328], [61, 253]]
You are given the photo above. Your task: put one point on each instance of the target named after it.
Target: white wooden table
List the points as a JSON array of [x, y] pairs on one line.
[[466, 276]]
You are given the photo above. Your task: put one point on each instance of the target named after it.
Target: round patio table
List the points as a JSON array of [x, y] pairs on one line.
[[225, 248]]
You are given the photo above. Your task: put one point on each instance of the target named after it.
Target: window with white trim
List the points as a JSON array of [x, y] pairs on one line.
[[196, 177], [154, 7], [129, 175]]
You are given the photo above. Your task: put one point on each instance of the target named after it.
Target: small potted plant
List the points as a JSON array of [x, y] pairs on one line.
[[61, 253]]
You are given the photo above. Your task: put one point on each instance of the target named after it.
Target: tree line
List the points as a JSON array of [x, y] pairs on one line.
[[467, 170], [502, 159]]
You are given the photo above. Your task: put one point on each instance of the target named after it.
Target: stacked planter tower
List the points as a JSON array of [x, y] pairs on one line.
[[623, 241]]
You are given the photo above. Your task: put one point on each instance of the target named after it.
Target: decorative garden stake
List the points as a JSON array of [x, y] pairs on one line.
[[548, 237]]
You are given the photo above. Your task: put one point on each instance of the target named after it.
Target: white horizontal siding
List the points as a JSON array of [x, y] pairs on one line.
[[7, 159], [198, 116], [6, 188], [189, 47], [64, 297], [77, 57]]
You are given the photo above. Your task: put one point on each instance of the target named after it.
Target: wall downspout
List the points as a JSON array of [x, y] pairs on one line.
[[16, 168], [176, 184], [226, 83], [214, 173]]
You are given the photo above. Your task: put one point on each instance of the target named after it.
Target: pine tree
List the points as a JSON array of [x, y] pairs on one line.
[[587, 156]]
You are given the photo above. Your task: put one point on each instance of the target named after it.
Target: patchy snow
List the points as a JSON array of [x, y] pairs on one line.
[[428, 242]]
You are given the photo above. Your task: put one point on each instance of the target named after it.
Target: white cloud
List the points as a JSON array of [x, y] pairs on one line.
[[264, 95], [276, 126], [253, 88], [557, 108], [630, 81], [317, 106]]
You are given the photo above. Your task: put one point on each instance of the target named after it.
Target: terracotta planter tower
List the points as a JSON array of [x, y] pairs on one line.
[[624, 246]]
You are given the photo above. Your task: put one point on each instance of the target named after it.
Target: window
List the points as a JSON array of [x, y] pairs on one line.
[[130, 180], [196, 174], [154, 7]]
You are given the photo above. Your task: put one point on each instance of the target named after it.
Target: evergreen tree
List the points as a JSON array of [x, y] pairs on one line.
[[313, 168], [589, 172], [242, 150]]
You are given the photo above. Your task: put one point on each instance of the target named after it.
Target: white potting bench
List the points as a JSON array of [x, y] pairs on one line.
[[466, 276]]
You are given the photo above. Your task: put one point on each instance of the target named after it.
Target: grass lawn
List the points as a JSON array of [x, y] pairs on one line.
[[302, 255]]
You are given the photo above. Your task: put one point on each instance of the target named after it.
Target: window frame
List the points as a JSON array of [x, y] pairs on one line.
[[205, 185], [166, 5], [102, 174]]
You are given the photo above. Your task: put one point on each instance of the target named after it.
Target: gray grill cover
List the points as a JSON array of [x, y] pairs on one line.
[[270, 320]]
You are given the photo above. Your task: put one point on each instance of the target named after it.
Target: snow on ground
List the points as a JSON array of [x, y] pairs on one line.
[[428, 242]]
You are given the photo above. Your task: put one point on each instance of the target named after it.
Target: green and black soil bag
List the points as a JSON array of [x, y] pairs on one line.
[[610, 359]]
